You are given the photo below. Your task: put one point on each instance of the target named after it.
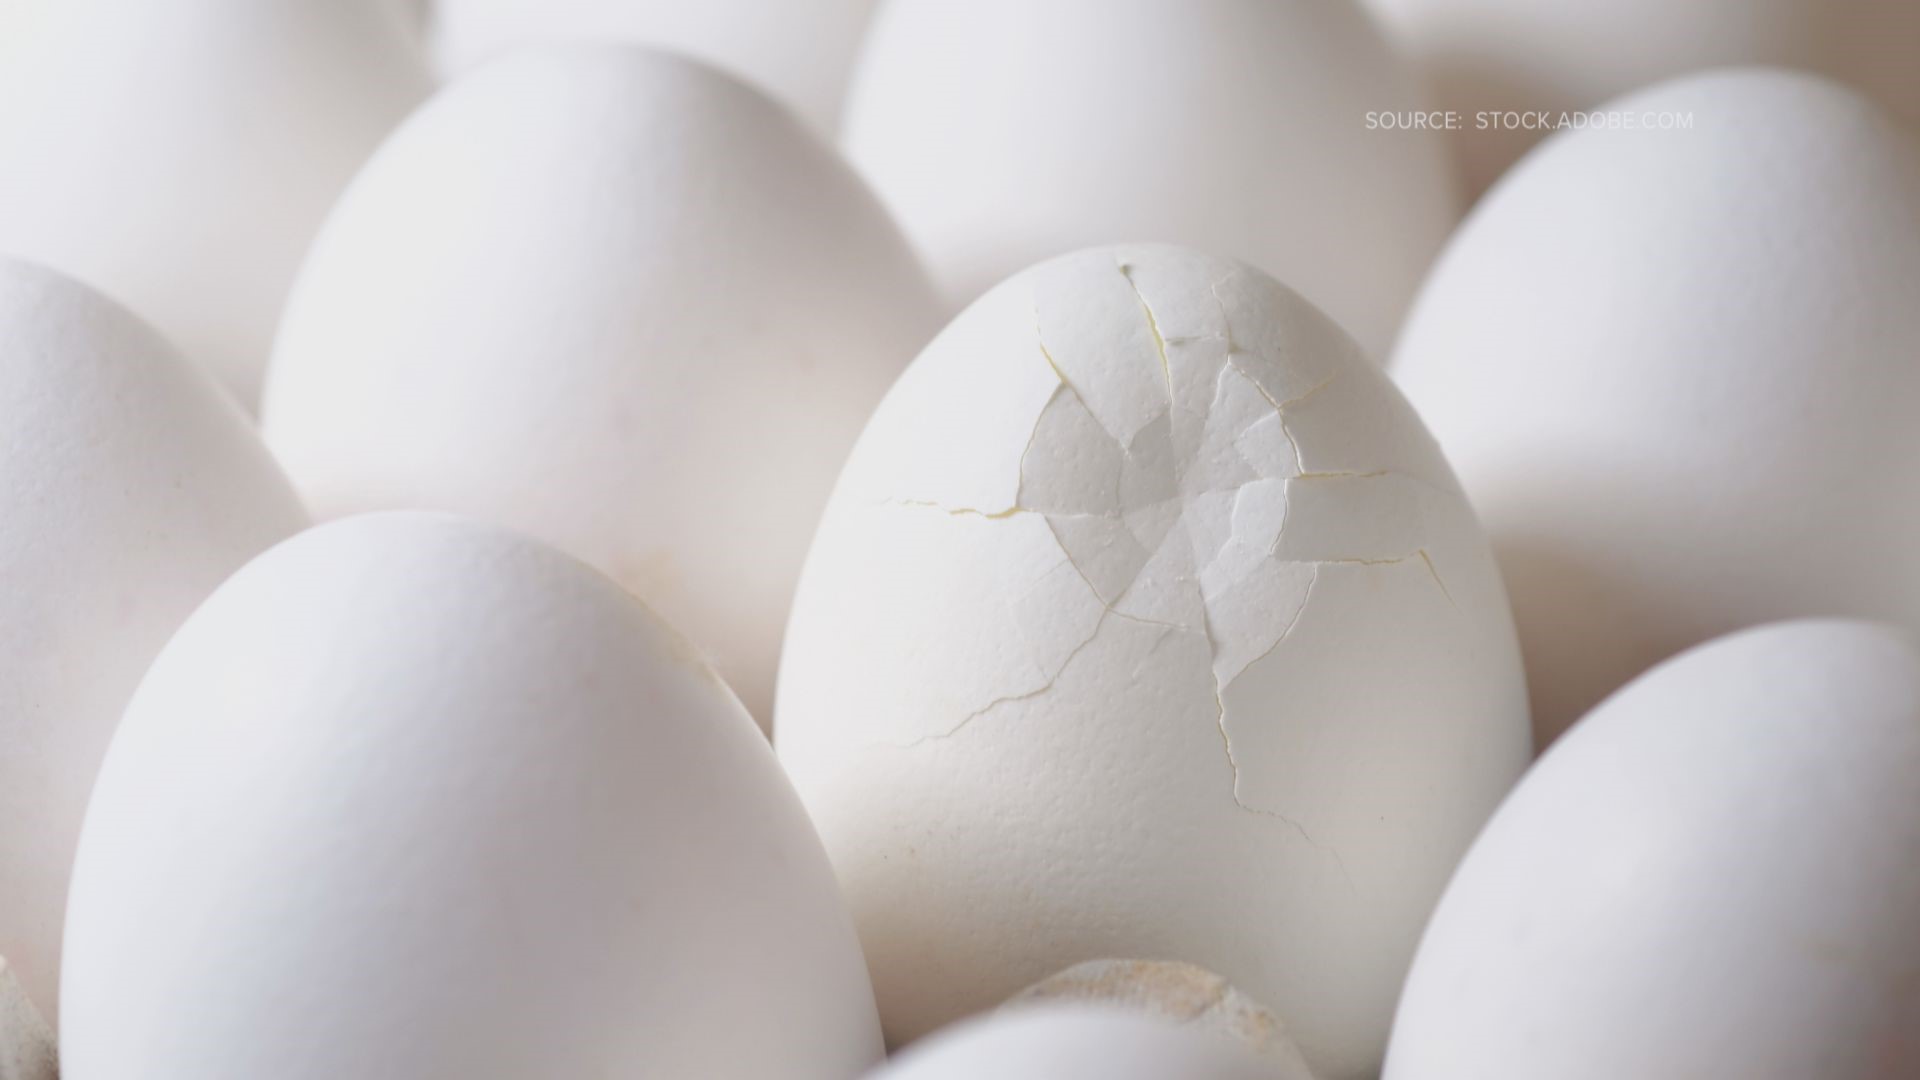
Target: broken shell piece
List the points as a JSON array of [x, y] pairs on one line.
[[1190, 996], [26, 1042]]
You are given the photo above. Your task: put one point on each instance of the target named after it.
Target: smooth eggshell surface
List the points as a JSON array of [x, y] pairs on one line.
[[1146, 620], [1713, 874], [1071, 1043], [413, 797], [566, 297], [1517, 56], [130, 486], [19, 25], [1677, 372], [1002, 132], [798, 50], [180, 155]]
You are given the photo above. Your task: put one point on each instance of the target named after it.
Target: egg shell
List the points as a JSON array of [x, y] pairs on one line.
[[412, 796], [797, 50], [1192, 998], [1677, 373], [1517, 56], [615, 299], [1711, 875], [1146, 620], [19, 23], [26, 1042], [130, 486], [179, 156], [1071, 1043], [1002, 132]]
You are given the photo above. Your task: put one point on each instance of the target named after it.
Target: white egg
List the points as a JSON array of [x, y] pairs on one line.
[[20, 22], [797, 50], [26, 1042], [615, 299], [1677, 372], [1003, 132], [180, 155], [1712, 875], [130, 486], [1176, 993], [1495, 63], [1071, 1043], [1146, 620], [413, 797]]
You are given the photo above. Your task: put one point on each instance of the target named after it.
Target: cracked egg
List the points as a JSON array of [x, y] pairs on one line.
[[1147, 620]]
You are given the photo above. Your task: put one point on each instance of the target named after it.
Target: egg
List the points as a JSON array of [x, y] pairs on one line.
[[1071, 1043], [1676, 371], [797, 50], [130, 486], [413, 796], [1182, 994], [1712, 874], [1508, 69], [1146, 620], [26, 1042], [1002, 132], [568, 297], [179, 156], [19, 23]]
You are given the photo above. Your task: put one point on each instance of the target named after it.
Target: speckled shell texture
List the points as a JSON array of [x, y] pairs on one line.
[[130, 486]]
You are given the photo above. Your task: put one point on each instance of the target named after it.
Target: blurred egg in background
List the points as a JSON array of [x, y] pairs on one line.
[[618, 299], [1003, 132], [1512, 58], [797, 50], [179, 156], [1677, 372]]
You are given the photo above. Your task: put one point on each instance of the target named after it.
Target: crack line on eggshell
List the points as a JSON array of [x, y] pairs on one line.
[[1226, 739], [1434, 572], [1108, 609], [1012, 698], [1280, 410], [1339, 475], [1420, 554], [1040, 340], [961, 511], [1153, 327]]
